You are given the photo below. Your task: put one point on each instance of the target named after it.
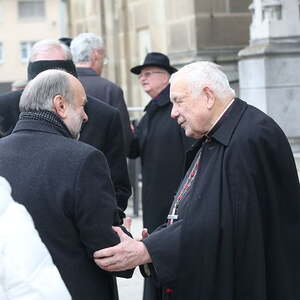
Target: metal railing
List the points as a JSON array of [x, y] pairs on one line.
[[134, 167]]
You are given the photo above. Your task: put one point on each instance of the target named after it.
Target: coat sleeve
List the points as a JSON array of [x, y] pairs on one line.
[[116, 159], [163, 246], [95, 206], [116, 97], [134, 150]]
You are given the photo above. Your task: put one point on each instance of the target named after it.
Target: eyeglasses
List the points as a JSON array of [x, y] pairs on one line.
[[149, 73]]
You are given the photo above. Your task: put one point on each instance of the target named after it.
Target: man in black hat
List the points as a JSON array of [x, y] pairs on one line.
[[161, 144]]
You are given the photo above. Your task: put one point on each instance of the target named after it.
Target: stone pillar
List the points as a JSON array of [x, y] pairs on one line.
[[269, 68]]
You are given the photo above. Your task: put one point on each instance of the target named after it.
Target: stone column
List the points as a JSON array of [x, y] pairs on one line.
[[269, 68]]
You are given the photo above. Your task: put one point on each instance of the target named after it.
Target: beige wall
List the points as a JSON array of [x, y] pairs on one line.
[[13, 31], [185, 30]]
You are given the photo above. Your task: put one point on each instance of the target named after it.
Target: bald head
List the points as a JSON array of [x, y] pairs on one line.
[[39, 92], [49, 50], [60, 93]]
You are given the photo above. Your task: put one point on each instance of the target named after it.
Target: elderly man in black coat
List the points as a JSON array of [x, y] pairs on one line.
[[104, 129], [233, 229], [64, 184], [161, 144]]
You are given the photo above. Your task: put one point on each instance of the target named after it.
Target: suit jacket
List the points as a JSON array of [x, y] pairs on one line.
[[66, 187], [108, 92], [103, 131]]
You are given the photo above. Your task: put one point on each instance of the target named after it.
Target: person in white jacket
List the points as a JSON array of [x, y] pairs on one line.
[[27, 271]]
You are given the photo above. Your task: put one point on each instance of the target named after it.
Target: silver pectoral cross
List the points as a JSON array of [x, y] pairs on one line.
[[172, 217]]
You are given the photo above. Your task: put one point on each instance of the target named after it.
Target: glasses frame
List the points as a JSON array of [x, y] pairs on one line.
[[147, 74]]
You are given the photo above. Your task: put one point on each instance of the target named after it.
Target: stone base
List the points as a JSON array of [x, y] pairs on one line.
[[270, 80]]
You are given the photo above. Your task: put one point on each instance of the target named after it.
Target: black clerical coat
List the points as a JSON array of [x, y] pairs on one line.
[[237, 237]]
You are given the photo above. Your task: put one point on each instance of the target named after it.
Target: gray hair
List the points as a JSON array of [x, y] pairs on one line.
[[83, 45], [205, 73], [40, 91], [48, 46]]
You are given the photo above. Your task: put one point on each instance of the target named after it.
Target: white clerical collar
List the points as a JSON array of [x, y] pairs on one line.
[[221, 115]]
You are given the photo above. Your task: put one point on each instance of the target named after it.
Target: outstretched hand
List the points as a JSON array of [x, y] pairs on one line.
[[128, 254]]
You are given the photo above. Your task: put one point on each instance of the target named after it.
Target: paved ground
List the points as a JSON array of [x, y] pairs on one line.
[[132, 289]]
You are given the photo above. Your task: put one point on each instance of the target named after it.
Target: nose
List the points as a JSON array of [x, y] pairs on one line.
[[85, 117], [174, 112]]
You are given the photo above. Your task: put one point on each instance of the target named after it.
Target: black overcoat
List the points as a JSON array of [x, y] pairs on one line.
[[66, 187], [103, 131], [108, 92], [237, 237], [161, 144]]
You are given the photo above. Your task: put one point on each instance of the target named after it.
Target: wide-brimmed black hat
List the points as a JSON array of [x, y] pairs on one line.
[[155, 59]]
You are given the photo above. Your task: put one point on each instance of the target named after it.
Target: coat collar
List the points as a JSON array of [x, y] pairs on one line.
[[225, 127], [39, 126], [222, 131], [86, 72], [161, 100]]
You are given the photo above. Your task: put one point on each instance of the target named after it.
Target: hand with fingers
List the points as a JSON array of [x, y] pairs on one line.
[[128, 254]]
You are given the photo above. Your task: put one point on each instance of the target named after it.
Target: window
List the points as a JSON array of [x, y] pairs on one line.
[[31, 9], [1, 53], [25, 48]]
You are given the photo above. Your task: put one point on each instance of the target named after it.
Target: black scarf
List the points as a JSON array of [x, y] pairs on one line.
[[49, 117]]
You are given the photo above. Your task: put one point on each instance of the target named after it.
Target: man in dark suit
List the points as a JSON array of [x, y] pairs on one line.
[[104, 129], [89, 55], [64, 184]]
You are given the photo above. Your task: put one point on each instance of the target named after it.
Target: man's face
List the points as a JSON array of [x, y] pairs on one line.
[[191, 112], [75, 114], [153, 80]]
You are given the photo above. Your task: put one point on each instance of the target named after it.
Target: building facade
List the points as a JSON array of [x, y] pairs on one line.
[[184, 30], [23, 22]]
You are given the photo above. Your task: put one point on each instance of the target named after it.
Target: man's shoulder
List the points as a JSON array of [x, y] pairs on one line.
[[74, 150], [99, 107], [109, 83], [10, 98], [256, 132]]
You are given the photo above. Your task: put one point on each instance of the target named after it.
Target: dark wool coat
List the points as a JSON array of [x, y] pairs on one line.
[[101, 131], [108, 92], [65, 186], [161, 144], [237, 237]]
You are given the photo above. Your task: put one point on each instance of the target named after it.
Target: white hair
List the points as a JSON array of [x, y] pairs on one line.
[[47, 46], [205, 73], [82, 46]]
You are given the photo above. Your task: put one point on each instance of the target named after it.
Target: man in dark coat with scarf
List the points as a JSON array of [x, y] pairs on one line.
[[104, 129], [160, 144], [233, 229], [64, 184]]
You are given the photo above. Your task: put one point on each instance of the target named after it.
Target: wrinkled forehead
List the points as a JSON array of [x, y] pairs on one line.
[[178, 88]]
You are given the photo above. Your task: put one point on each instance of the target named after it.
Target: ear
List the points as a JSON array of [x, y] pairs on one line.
[[94, 55], [210, 97], [60, 106]]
